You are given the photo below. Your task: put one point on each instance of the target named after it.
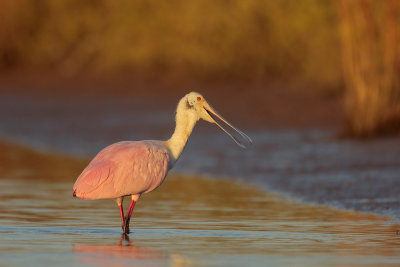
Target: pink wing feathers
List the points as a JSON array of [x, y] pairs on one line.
[[124, 168]]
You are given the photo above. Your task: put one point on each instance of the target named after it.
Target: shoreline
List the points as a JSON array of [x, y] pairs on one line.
[[22, 163]]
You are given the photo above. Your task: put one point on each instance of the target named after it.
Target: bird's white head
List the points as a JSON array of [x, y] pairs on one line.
[[197, 103]]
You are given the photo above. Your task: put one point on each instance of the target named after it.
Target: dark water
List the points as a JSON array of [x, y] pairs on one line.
[[230, 220]]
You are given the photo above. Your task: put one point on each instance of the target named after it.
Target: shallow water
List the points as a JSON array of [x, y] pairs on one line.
[[188, 221], [307, 164], [232, 219]]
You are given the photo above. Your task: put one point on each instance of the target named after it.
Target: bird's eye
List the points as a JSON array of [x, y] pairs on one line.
[[198, 98]]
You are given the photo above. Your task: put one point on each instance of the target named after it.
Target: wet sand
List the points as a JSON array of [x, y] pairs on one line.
[[188, 221]]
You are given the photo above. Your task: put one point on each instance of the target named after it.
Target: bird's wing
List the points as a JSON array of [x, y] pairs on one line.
[[99, 171], [121, 169], [93, 177]]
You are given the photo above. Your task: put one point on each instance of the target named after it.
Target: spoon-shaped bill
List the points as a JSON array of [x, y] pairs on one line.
[[216, 117]]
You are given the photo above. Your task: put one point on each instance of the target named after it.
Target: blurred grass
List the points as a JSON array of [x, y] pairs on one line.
[[250, 40], [310, 45], [370, 40]]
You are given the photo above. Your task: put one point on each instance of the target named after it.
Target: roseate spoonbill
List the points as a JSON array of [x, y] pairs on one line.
[[133, 168]]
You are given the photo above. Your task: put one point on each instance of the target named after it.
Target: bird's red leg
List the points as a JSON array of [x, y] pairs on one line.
[[121, 210], [128, 216], [119, 201]]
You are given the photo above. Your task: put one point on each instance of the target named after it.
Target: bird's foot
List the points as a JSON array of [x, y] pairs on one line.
[[126, 229], [125, 226]]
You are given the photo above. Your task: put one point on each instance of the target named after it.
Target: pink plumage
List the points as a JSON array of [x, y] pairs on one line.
[[122, 169], [133, 168]]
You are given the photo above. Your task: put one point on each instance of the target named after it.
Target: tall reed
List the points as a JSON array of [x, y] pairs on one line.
[[370, 32]]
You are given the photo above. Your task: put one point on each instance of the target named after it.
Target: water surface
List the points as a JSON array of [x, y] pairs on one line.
[[188, 221], [307, 164], [231, 219]]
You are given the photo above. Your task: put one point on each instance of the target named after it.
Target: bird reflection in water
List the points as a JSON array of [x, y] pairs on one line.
[[125, 252]]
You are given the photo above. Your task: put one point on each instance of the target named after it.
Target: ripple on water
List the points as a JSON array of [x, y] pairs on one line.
[[188, 221]]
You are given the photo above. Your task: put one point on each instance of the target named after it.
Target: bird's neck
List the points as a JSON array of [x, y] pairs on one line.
[[185, 122]]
